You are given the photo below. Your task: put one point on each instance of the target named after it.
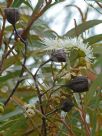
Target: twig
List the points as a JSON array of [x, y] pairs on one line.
[[12, 92], [6, 52], [22, 70], [93, 7], [84, 118], [75, 23], [41, 67], [99, 4], [80, 11], [2, 31], [53, 76], [4, 21], [51, 88], [71, 133], [68, 127], [43, 130], [29, 132], [50, 113], [34, 17]]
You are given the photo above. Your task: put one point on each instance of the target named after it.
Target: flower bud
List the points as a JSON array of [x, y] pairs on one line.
[[67, 105], [12, 15], [58, 56], [29, 110], [79, 84]]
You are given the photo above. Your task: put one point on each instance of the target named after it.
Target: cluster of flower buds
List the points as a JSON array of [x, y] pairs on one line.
[[29, 110]]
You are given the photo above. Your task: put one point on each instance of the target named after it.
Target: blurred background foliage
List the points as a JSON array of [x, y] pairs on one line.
[[58, 21]]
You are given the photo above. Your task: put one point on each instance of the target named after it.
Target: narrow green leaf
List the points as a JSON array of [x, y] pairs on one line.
[[9, 76], [94, 39], [59, 1], [95, 0], [82, 28], [99, 61], [97, 49], [10, 115], [17, 3], [28, 4], [10, 61], [89, 95]]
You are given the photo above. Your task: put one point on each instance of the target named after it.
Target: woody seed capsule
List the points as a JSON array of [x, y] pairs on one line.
[[58, 56], [78, 84], [12, 15], [67, 105]]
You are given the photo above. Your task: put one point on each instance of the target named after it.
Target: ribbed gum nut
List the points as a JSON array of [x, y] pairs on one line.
[[67, 105], [58, 56], [12, 15], [79, 84]]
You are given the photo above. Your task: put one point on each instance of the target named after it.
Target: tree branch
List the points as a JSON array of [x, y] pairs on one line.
[[34, 17]]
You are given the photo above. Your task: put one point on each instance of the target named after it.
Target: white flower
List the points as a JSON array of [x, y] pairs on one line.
[[67, 44], [29, 110]]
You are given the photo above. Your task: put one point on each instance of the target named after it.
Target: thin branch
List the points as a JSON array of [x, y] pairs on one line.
[[92, 7], [52, 112], [68, 127], [22, 70], [6, 53], [44, 130], [12, 92], [52, 88], [41, 67], [34, 17], [83, 115], [2, 30], [100, 5], [75, 24], [4, 22], [80, 11]]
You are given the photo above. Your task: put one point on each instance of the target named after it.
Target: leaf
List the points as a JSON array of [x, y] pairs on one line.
[[28, 4], [10, 61], [14, 126], [96, 83], [59, 1], [97, 49], [9, 76], [11, 114], [43, 30], [95, 0], [93, 39], [17, 3], [94, 115], [98, 61], [82, 28]]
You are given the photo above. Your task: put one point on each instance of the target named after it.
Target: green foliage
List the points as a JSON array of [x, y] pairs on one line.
[[82, 28], [95, 0], [17, 3], [94, 39]]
